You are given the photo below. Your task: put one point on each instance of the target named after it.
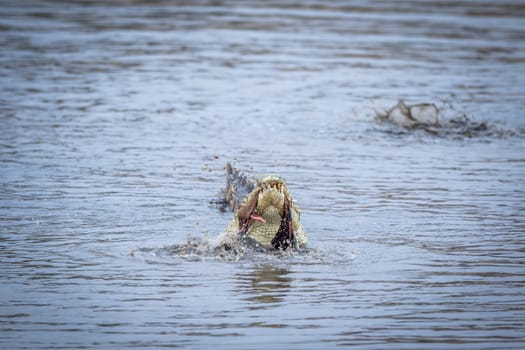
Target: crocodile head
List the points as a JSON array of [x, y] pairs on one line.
[[269, 216]]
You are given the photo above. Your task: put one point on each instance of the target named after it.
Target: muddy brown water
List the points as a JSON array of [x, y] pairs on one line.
[[117, 119]]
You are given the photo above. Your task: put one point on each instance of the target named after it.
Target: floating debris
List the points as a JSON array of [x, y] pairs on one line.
[[428, 117], [413, 116]]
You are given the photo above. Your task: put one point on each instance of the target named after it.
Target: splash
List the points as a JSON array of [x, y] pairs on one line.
[[245, 249]]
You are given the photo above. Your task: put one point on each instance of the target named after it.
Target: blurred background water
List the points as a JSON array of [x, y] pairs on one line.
[[117, 118]]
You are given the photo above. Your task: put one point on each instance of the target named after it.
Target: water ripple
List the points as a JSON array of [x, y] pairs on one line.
[[118, 118]]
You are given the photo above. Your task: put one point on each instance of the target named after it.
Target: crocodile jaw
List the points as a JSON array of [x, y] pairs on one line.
[[270, 204], [267, 214]]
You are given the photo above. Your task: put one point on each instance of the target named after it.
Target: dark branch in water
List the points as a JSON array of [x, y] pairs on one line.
[[428, 117]]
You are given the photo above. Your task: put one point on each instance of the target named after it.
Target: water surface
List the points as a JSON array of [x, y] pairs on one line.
[[117, 119]]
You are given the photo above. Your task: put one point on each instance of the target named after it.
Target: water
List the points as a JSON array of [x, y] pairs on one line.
[[117, 120]]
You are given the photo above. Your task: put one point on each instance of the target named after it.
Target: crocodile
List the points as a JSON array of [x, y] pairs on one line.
[[267, 215]]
